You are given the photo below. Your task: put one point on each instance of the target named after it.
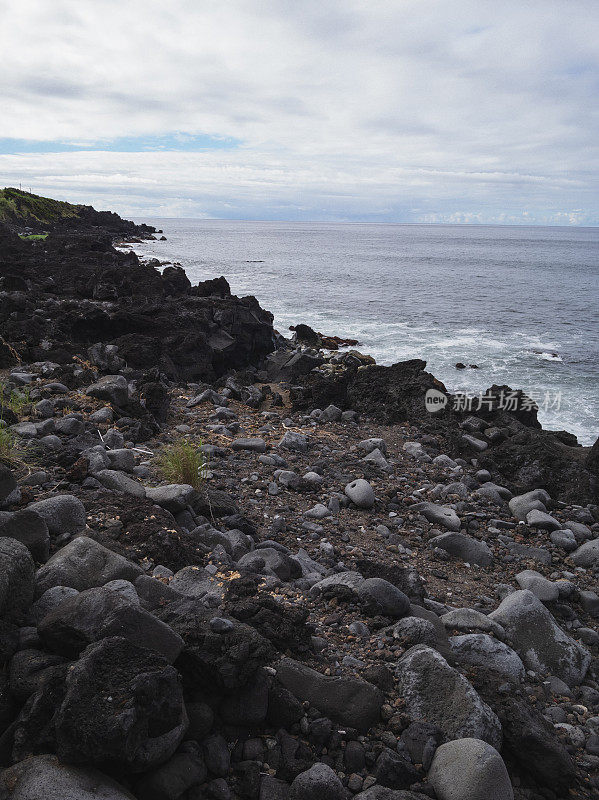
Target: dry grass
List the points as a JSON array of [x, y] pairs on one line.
[[183, 462]]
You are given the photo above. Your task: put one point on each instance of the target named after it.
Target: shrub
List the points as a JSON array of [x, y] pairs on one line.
[[183, 462]]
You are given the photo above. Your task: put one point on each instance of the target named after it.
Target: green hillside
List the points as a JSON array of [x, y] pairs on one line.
[[19, 207]]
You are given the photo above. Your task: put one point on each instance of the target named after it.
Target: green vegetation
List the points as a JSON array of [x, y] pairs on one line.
[[17, 206], [13, 400], [183, 462], [10, 452], [33, 237]]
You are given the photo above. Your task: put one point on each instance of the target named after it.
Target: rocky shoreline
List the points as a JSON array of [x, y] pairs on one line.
[[360, 599]]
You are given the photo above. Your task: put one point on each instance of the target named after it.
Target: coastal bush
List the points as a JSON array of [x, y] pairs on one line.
[[183, 462]]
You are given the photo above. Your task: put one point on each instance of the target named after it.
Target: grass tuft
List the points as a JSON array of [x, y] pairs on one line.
[[183, 462], [10, 451]]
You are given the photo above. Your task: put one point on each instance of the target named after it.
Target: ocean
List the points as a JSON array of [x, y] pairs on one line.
[[519, 302]]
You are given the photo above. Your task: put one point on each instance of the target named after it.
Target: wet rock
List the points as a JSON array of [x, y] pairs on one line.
[[123, 707], [83, 564], [435, 692], [539, 641], [469, 769], [349, 701]]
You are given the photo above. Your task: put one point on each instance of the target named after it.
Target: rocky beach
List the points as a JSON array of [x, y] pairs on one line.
[[353, 597]]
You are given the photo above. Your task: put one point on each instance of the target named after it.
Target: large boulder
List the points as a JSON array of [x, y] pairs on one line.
[[317, 783], [469, 769], [464, 547], [481, 650], [381, 597], [8, 483], [63, 514], [46, 778], [99, 613], [349, 701], [111, 388], [587, 555], [123, 708], [16, 580], [539, 641], [83, 564], [227, 657], [436, 692], [29, 528]]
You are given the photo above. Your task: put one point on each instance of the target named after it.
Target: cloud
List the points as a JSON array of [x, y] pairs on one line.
[[339, 109]]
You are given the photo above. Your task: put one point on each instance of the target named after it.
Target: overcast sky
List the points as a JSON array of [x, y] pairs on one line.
[[377, 110]]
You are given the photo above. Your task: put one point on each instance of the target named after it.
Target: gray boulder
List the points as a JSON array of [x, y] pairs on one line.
[[98, 613], [381, 597], [465, 547], [440, 515], [587, 555], [540, 519], [317, 783], [16, 580], [294, 441], [175, 497], [123, 708], [435, 692], [29, 528], [8, 483], [361, 493], [253, 445], [547, 591], [63, 513], [539, 641], [112, 388], [350, 579], [349, 701], [469, 769], [522, 504], [481, 650], [46, 778], [120, 482], [83, 564]]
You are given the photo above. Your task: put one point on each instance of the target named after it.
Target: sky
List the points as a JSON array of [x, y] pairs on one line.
[[336, 110]]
